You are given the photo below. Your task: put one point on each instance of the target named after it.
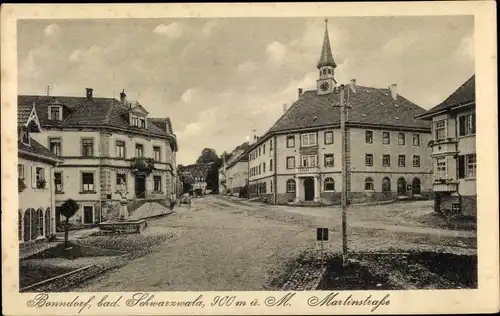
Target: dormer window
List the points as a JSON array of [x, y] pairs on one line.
[[55, 113], [143, 122], [135, 121], [25, 136]]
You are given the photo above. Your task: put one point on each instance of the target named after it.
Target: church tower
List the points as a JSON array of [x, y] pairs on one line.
[[326, 66]]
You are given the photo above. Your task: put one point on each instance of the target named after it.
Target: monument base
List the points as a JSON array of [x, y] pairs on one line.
[[123, 226]]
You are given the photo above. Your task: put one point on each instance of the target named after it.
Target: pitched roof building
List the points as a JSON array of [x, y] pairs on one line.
[[299, 157], [104, 142], [453, 151]]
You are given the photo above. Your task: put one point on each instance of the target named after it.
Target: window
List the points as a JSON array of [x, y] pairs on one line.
[[121, 177], [329, 184], [329, 71], [139, 150], [290, 162], [369, 160], [329, 160], [271, 165], [308, 140], [308, 161], [87, 147], [55, 146], [120, 149], [416, 140], [157, 183], [441, 168], [40, 177], [55, 113], [271, 145], [386, 138], [263, 167], [467, 124], [290, 186], [467, 166], [135, 121], [264, 149], [156, 153], [290, 141], [328, 137], [368, 137], [440, 129], [25, 137], [368, 184], [386, 184], [401, 160], [20, 171], [416, 161], [143, 122], [259, 169], [87, 182], [401, 139], [58, 182], [386, 160]]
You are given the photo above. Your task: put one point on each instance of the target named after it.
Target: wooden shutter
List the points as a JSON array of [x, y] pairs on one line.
[[461, 166], [33, 177]]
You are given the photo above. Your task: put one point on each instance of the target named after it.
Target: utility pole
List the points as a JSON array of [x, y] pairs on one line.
[[343, 119], [48, 90]]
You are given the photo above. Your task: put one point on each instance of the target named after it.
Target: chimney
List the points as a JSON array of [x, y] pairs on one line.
[[123, 97], [353, 85], [285, 107], [300, 92], [89, 94], [394, 91]]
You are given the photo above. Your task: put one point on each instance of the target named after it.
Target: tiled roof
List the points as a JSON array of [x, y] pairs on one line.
[[37, 149], [23, 114], [81, 112], [463, 95], [371, 106]]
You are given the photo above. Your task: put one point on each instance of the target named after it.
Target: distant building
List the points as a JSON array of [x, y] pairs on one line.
[[454, 150], [235, 170], [36, 219], [299, 158], [104, 141]]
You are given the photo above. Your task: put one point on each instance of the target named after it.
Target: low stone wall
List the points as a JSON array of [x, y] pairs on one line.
[[123, 227]]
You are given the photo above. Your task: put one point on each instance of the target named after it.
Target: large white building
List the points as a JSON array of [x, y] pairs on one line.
[[454, 150], [299, 157], [104, 142]]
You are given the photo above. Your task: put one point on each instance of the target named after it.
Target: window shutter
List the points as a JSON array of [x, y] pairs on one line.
[[461, 125], [461, 166], [33, 177]]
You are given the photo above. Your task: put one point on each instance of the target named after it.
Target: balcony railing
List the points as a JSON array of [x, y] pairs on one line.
[[302, 170], [445, 185], [444, 146]]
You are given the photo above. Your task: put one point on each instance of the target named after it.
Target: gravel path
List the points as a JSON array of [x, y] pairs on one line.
[[228, 245]]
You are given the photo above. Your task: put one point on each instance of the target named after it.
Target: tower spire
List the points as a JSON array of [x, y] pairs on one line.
[[326, 58]]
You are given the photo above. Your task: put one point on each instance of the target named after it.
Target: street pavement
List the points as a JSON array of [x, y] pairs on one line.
[[226, 243]]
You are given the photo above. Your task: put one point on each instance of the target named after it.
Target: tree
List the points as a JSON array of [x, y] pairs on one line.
[[207, 155], [68, 210]]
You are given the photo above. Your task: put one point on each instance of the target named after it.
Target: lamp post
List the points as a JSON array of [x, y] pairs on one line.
[[343, 119]]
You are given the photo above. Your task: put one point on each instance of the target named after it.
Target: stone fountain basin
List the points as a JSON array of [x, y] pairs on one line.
[[123, 226]]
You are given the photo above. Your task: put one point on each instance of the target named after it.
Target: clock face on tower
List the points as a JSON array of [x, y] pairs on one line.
[[324, 86]]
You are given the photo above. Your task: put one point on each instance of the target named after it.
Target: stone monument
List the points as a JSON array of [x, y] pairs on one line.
[[123, 201]]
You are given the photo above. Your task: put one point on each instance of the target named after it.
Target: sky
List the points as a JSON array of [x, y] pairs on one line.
[[223, 80]]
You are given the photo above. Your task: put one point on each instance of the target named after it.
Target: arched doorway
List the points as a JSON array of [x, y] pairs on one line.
[[308, 189], [27, 224], [415, 186], [401, 186], [47, 222], [386, 185]]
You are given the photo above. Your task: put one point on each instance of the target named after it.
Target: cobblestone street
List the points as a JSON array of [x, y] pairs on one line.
[[229, 244]]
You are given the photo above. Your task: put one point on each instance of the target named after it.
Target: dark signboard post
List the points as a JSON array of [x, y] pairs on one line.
[[322, 236]]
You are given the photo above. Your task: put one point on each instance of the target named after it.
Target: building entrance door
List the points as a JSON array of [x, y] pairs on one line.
[[140, 186], [401, 186], [309, 189]]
